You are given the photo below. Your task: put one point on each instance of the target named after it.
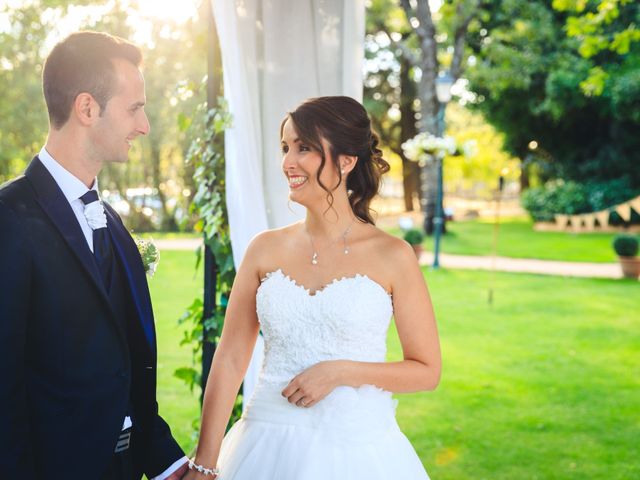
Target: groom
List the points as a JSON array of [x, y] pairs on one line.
[[77, 337]]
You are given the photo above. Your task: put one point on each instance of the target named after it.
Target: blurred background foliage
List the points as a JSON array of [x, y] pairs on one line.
[[548, 90]]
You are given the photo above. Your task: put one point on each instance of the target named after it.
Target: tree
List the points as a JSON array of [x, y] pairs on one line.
[[173, 77], [404, 53], [527, 80], [23, 120], [420, 17], [610, 28], [390, 89]]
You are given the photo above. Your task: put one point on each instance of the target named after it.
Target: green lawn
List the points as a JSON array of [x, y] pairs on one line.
[[170, 235], [173, 288], [516, 238], [543, 385]]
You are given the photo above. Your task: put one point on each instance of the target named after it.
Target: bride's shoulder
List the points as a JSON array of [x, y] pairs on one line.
[[272, 240], [392, 251], [276, 234], [388, 243]]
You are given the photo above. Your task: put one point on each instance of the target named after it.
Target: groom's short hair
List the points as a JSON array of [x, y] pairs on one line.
[[83, 63]]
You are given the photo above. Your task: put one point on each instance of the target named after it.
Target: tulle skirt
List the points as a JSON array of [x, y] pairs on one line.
[[352, 434]]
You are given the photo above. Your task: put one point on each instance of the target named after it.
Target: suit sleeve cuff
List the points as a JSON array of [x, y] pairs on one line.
[[174, 466]]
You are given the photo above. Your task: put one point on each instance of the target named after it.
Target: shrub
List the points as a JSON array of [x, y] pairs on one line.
[[555, 196], [625, 245], [414, 236]]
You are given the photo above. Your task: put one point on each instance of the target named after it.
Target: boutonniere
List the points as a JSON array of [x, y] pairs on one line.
[[149, 253]]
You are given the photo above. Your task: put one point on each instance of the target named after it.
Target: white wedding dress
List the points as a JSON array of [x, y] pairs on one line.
[[352, 433]]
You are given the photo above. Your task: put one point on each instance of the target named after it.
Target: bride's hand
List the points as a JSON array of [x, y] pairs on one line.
[[309, 387]]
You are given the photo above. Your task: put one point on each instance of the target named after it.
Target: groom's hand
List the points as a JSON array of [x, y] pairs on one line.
[[180, 473], [316, 382]]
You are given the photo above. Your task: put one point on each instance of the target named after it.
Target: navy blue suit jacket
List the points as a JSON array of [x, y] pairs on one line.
[[67, 367]]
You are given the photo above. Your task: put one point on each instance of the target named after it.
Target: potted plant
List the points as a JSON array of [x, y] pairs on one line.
[[626, 246], [414, 237]]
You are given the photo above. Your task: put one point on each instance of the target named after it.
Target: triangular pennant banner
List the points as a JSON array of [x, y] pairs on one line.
[[602, 217], [635, 204], [561, 220], [589, 220], [624, 210], [576, 221]]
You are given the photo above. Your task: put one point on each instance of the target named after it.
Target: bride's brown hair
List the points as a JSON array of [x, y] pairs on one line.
[[344, 124]]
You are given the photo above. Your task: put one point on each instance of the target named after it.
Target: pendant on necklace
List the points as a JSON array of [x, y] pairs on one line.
[[346, 250], [314, 259]]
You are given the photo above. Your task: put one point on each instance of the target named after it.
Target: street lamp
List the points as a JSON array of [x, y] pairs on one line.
[[444, 82]]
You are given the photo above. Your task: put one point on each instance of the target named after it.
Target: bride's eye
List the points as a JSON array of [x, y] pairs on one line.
[[284, 149], [304, 148]]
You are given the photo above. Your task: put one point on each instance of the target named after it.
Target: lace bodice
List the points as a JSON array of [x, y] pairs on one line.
[[346, 320]]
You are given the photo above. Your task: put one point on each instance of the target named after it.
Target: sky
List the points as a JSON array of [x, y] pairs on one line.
[[139, 19]]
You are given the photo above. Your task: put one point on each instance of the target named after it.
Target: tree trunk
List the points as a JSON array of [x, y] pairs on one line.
[[410, 170], [425, 30], [524, 176], [168, 222]]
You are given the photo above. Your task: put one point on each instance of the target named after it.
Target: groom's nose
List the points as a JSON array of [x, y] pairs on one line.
[[143, 127]]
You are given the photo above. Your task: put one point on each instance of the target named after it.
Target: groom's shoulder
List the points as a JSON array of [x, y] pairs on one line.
[[16, 193], [14, 202]]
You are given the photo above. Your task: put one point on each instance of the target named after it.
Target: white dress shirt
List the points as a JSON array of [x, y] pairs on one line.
[[73, 188]]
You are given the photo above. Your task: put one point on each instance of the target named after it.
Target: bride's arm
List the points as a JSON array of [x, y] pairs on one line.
[[415, 321], [230, 361]]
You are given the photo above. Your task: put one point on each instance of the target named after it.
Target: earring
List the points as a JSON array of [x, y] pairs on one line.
[[342, 171]]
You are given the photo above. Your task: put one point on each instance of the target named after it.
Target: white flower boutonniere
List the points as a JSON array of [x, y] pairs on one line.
[[149, 253]]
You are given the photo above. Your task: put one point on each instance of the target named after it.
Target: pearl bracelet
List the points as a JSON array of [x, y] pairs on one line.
[[203, 470]]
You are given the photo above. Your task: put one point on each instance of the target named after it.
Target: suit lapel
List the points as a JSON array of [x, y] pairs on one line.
[[56, 206], [127, 253]]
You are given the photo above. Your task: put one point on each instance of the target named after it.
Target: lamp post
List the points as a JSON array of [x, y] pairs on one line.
[[444, 82]]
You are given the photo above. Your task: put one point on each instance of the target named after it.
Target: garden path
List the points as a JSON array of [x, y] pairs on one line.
[[502, 264]]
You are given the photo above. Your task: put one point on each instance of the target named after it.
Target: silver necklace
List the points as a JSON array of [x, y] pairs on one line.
[[345, 247]]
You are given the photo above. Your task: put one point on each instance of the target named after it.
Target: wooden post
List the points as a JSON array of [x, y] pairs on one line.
[[210, 266]]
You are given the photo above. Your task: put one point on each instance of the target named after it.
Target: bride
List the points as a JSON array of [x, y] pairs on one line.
[[323, 292]]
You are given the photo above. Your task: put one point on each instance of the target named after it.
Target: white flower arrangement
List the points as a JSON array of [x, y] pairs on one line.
[[149, 253], [424, 147]]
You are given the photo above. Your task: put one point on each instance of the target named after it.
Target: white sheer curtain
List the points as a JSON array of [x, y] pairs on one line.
[[275, 54]]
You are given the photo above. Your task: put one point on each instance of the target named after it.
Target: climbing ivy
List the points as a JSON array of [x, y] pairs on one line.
[[206, 155]]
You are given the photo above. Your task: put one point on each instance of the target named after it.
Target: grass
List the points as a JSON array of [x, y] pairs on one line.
[[543, 385], [171, 235], [539, 386], [173, 288], [517, 239]]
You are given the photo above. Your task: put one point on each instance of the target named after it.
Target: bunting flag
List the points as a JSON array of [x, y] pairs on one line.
[[602, 217], [589, 220], [576, 221], [624, 210], [562, 220]]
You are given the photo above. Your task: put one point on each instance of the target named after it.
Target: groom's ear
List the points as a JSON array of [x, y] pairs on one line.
[[86, 109]]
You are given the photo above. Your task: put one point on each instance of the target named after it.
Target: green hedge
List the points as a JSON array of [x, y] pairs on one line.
[[558, 196]]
